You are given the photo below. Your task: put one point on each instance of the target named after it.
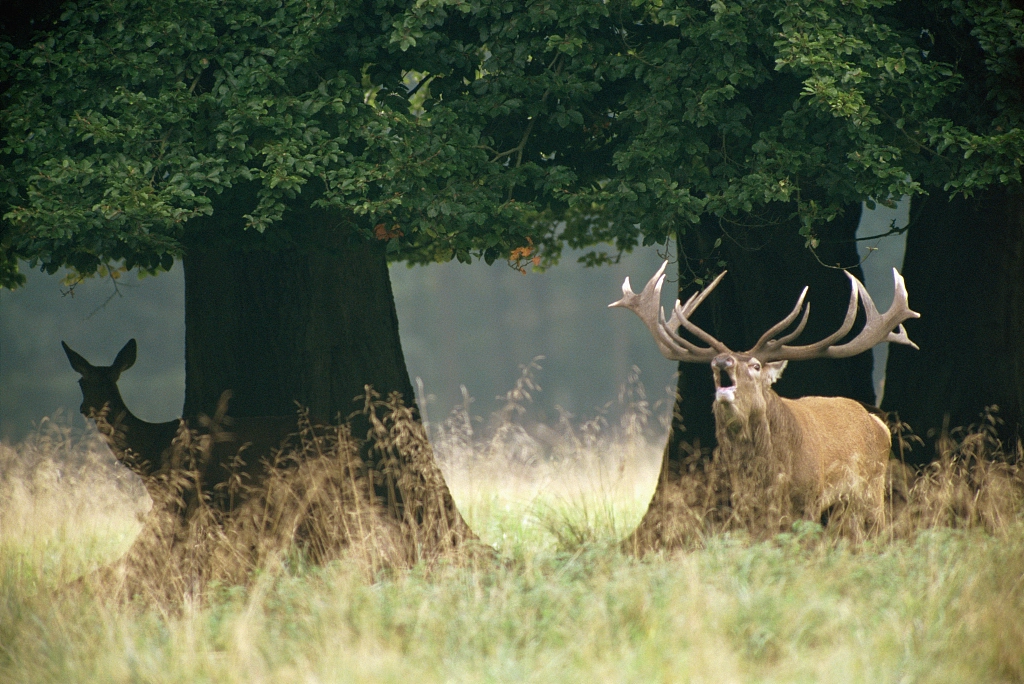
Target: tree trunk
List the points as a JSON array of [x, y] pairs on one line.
[[284, 323], [276, 328], [964, 268], [767, 270]]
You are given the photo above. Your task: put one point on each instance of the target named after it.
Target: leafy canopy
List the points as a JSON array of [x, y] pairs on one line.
[[454, 128], [132, 118]]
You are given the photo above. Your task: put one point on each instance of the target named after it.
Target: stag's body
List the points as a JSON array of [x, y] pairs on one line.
[[824, 450], [827, 450]]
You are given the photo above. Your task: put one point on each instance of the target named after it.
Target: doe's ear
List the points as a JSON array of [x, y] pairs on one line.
[[125, 358], [773, 371], [78, 361]]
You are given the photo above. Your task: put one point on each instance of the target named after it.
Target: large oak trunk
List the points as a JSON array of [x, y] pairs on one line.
[[283, 324], [312, 326], [964, 268], [768, 268]]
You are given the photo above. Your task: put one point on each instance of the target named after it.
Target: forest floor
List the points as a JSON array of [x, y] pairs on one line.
[[560, 602]]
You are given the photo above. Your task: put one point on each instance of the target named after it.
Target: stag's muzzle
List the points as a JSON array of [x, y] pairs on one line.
[[727, 364]]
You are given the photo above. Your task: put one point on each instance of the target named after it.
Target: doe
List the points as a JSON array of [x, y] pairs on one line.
[[146, 448]]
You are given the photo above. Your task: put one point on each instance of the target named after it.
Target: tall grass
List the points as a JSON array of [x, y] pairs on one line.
[[521, 481], [66, 505], [938, 599]]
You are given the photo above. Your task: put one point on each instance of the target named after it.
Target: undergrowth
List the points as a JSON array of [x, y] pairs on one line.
[[936, 596]]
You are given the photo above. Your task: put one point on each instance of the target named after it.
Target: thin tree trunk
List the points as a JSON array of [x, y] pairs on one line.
[[964, 268], [767, 270]]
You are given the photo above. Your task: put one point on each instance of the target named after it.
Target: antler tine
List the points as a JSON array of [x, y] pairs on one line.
[[766, 342], [877, 327], [697, 298], [643, 305], [821, 348], [799, 328], [667, 333], [647, 305], [900, 336], [900, 295], [681, 316]]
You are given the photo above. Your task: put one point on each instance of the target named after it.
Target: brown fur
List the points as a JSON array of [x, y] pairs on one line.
[[819, 452], [815, 452]]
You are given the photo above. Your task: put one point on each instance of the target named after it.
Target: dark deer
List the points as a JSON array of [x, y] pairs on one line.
[[141, 446], [146, 448], [829, 449]]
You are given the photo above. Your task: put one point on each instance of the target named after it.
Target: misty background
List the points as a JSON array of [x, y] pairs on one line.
[[461, 325]]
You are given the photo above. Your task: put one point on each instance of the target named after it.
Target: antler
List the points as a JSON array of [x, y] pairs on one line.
[[647, 305], [887, 327]]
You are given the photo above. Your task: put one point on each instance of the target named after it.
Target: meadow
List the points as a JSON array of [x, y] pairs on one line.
[[558, 602]]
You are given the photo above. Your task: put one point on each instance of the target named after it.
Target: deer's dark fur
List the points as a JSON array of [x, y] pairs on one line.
[[147, 449]]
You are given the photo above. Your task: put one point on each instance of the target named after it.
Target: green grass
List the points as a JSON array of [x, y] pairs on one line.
[[560, 603], [945, 607]]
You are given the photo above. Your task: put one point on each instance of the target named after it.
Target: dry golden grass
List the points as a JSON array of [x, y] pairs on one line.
[[319, 497], [935, 596], [974, 481], [563, 486], [59, 490]]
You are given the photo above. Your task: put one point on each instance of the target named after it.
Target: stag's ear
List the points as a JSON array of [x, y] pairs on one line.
[[125, 358], [773, 371]]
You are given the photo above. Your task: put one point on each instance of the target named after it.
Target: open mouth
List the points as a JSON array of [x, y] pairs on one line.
[[725, 392]]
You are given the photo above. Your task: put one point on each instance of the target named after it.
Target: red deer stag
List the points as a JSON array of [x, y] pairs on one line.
[[145, 448], [830, 449]]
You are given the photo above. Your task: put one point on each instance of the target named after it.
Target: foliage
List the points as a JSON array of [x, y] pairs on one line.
[[454, 129], [133, 119], [752, 113], [746, 113]]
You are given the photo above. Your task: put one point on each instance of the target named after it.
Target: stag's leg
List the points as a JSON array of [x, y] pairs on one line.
[[876, 504]]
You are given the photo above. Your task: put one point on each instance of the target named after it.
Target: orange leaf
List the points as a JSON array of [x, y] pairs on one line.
[[381, 232]]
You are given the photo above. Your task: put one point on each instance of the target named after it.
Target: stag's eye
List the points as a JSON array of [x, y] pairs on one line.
[[755, 366]]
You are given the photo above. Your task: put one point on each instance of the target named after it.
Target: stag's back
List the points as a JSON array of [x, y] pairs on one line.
[[842, 450]]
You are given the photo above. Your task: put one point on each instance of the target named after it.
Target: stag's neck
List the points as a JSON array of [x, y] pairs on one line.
[[783, 423], [771, 430]]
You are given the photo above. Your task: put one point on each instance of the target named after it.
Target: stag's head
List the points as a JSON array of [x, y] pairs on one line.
[[99, 383], [742, 383], [742, 380]]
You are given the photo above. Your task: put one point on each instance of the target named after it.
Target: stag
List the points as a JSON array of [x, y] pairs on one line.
[[146, 448], [828, 449]]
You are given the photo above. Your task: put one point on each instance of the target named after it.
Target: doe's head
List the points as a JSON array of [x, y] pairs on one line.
[[99, 383]]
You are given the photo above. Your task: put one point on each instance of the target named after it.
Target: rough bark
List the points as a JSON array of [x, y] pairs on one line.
[[964, 267], [283, 323], [313, 326], [768, 267]]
